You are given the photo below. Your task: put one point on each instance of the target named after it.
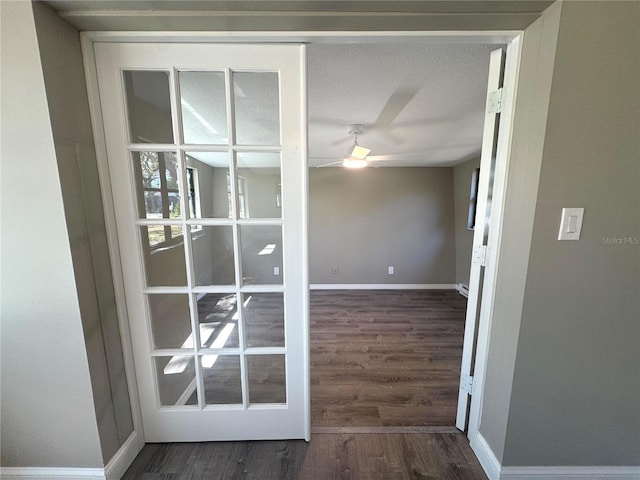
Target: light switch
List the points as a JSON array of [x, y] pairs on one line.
[[571, 224]]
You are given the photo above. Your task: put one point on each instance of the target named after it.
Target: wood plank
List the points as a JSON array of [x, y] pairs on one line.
[[385, 357], [373, 456]]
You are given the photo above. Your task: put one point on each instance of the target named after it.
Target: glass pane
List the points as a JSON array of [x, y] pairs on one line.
[[261, 254], [213, 255], [218, 319], [176, 376], [170, 322], [163, 248], [149, 106], [266, 379], [157, 184], [264, 319], [208, 179], [257, 105], [221, 379], [204, 107], [259, 185]]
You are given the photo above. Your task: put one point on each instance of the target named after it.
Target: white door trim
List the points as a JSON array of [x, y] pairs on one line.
[[483, 212], [306, 303], [95, 110], [511, 70], [513, 37]]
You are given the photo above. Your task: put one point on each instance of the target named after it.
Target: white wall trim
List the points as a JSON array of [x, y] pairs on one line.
[[486, 457], [463, 289], [95, 110], [382, 286], [123, 458], [495, 471], [51, 473], [114, 470], [570, 473], [496, 37]]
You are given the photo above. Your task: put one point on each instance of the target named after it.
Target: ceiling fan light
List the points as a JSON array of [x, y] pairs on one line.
[[352, 162], [359, 152]]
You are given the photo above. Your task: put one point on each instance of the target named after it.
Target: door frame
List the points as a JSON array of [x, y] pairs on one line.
[[513, 41]]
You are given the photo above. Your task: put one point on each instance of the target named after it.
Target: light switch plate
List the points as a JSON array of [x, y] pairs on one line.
[[571, 224]]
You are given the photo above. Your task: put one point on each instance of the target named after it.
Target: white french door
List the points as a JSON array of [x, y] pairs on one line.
[[207, 164], [481, 231]]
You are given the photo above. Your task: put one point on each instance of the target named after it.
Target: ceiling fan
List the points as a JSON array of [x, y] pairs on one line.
[[356, 155]]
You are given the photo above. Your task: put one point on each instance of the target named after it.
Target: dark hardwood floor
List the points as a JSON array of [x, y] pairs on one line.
[[381, 363], [385, 358], [326, 457]]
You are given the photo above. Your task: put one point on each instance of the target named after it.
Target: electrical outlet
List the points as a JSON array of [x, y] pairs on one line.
[[276, 270], [390, 270], [334, 270]]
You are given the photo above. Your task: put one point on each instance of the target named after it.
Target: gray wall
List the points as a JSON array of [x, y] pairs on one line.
[[61, 58], [462, 174], [31, 427], [576, 388], [48, 415], [363, 221]]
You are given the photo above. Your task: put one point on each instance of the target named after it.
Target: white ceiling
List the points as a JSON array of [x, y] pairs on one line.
[[421, 105]]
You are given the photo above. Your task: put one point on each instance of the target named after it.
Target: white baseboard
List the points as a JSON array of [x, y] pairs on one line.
[[495, 471], [485, 456], [123, 458], [113, 471], [382, 286], [570, 473], [51, 473], [463, 289]]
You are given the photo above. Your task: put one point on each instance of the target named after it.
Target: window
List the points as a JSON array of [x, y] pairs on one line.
[[159, 176], [243, 209], [194, 193]]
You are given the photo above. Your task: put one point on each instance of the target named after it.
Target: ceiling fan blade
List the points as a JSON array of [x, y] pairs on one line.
[[398, 100], [327, 126], [391, 158], [328, 164]]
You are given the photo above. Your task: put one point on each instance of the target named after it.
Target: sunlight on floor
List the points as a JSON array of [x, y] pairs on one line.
[[178, 364]]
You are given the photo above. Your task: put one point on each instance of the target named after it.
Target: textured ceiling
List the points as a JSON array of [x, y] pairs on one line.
[[420, 104]]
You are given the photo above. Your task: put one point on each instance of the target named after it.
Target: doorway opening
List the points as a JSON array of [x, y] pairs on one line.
[[389, 245]]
